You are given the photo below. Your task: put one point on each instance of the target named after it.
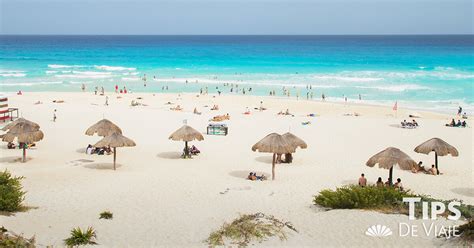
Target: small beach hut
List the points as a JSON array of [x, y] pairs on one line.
[[103, 128], [439, 147], [26, 133], [115, 140], [390, 157], [276, 144], [186, 134], [296, 142]]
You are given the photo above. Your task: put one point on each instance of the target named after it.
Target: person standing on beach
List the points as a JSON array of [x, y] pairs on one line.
[[323, 97], [54, 116], [83, 87], [360, 97], [106, 100], [362, 180], [116, 88], [459, 110], [95, 90]]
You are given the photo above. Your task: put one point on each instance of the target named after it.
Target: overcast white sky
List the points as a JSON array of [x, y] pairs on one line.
[[236, 17]]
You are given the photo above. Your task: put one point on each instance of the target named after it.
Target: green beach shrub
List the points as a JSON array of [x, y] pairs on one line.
[[11, 192], [356, 197], [383, 199], [106, 215], [247, 228], [79, 237], [467, 231], [8, 239]]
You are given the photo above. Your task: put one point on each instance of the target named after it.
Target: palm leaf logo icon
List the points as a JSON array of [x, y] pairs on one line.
[[378, 231]]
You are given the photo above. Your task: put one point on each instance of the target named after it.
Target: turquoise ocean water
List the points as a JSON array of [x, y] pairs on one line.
[[427, 72]]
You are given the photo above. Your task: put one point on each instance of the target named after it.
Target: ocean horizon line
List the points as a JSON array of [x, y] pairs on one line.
[[249, 35]]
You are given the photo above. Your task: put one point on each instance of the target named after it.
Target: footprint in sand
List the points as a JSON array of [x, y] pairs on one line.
[[236, 189], [79, 162]]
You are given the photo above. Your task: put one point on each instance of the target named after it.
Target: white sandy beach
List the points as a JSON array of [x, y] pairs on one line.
[[159, 199]]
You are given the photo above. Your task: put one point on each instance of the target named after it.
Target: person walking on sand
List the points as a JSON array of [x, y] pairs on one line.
[[83, 87], [95, 90], [362, 180], [54, 116], [106, 100]]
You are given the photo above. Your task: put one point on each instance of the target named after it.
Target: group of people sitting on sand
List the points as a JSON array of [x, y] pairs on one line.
[[253, 176], [287, 112], [457, 124], [177, 108], [12, 145], [136, 103], [397, 185], [288, 159], [221, 117], [98, 150], [193, 150], [420, 168], [412, 124]]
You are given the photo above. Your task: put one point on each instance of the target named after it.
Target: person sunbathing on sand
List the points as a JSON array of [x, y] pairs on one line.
[[433, 170], [221, 117], [195, 111], [252, 176], [262, 177], [215, 107], [177, 108]]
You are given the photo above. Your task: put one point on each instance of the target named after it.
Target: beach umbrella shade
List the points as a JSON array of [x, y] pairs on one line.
[[20, 120], [276, 144], [295, 141], [390, 157], [186, 134], [25, 133], [439, 147], [115, 140], [103, 128]]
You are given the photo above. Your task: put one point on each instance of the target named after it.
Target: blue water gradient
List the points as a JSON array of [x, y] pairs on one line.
[[423, 71]]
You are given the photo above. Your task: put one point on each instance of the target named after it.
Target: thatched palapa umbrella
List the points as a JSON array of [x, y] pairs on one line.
[[390, 157], [26, 132], [19, 120], [186, 134], [103, 128], [115, 140], [276, 144], [296, 142], [439, 147]]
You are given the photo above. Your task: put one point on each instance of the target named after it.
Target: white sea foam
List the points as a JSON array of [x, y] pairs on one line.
[[55, 66], [12, 74], [395, 88], [32, 83], [114, 68], [131, 79], [347, 78], [51, 72], [86, 74]]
